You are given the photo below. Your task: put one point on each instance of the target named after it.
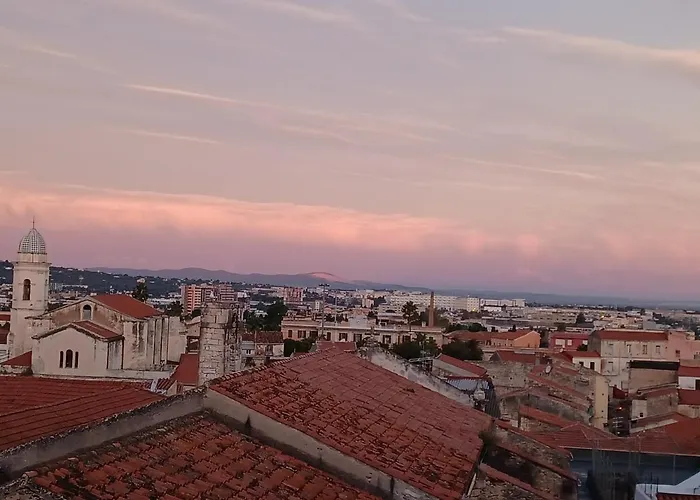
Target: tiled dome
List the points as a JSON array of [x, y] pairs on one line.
[[33, 243]]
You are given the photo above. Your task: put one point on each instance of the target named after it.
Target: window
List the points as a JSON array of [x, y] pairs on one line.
[[697, 384], [342, 336], [358, 337], [580, 363], [645, 349], [69, 359], [60, 360], [386, 339], [289, 334], [678, 354], [658, 350], [591, 365], [629, 348], [75, 364], [87, 313], [27, 290]]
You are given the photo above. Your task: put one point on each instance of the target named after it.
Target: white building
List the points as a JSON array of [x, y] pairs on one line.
[[448, 302]]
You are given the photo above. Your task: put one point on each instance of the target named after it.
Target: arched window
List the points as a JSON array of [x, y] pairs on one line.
[[87, 312], [60, 360], [75, 365], [69, 359], [27, 290]]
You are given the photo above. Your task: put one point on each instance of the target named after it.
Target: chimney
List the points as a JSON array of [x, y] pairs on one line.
[[431, 310]]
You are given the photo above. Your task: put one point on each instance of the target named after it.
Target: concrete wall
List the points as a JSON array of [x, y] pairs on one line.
[[641, 378], [399, 366], [506, 375], [30, 455], [312, 451], [216, 319], [440, 368], [92, 359]]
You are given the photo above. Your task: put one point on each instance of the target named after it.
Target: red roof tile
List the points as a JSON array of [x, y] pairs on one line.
[[128, 305], [465, 335], [5, 316], [632, 335], [568, 335], [464, 365], [511, 335], [3, 335], [677, 496], [34, 407], [370, 414], [502, 476], [689, 371], [187, 371], [580, 354], [543, 416], [23, 360], [688, 397], [191, 457], [514, 357], [263, 337]]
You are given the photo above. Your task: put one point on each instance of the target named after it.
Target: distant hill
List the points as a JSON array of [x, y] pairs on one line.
[[305, 280]]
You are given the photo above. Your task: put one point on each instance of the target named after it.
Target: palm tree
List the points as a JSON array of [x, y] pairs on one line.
[[410, 313]]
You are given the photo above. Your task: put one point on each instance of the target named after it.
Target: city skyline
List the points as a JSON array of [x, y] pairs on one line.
[[501, 146]]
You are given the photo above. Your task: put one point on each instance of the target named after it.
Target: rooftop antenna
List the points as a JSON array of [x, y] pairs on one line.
[[33, 222]]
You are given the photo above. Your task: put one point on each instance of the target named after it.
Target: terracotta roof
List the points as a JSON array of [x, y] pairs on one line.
[[322, 345], [689, 371], [679, 438], [463, 365], [514, 357], [23, 360], [632, 335], [263, 337], [187, 371], [128, 305], [654, 393], [581, 354], [368, 413], [543, 416], [467, 335], [87, 327], [512, 335], [688, 397], [502, 476], [3, 335], [5, 316], [191, 457], [34, 407]]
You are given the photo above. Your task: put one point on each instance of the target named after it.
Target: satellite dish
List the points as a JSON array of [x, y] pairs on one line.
[[548, 369]]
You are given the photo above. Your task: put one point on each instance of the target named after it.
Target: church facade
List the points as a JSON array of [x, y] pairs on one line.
[[101, 336]]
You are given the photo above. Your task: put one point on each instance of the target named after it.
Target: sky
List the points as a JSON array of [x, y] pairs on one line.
[[540, 146]]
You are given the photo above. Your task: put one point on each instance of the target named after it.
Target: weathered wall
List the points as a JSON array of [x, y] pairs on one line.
[[533, 447], [640, 378], [401, 367], [506, 375], [216, 318], [92, 359]]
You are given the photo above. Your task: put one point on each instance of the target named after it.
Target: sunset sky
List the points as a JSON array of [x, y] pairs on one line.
[[543, 146]]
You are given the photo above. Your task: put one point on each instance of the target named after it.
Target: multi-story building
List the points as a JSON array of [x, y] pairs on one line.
[[447, 302], [293, 296], [356, 331], [618, 348], [568, 340], [195, 296]]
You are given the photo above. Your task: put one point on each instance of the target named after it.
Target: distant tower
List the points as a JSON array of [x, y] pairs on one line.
[[30, 290], [431, 310]]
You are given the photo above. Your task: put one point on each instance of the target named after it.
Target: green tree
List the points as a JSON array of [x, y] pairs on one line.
[[581, 318], [174, 309], [582, 347], [477, 327], [141, 291], [275, 314], [455, 327], [253, 322], [468, 350], [410, 313], [407, 350]]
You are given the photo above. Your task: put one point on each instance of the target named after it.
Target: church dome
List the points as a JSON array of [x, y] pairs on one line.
[[33, 243]]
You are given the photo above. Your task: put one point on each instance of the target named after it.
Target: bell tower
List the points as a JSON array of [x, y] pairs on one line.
[[30, 290]]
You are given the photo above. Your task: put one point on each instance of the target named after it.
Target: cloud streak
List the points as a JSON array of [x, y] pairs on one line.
[[289, 8], [173, 137], [688, 60]]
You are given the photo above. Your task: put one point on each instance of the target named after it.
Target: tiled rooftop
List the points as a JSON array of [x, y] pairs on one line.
[[128, 305], [689, 397], [511, 335], [543, 416], [514, 357], [581, 354], [33, 407], [368, 413], [688, 371], [24, 360], [187, 371], [464, 365], [192, 457], [632, 335], [88, 327]]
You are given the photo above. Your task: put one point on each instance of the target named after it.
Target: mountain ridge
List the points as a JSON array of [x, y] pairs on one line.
[[333, 281]]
